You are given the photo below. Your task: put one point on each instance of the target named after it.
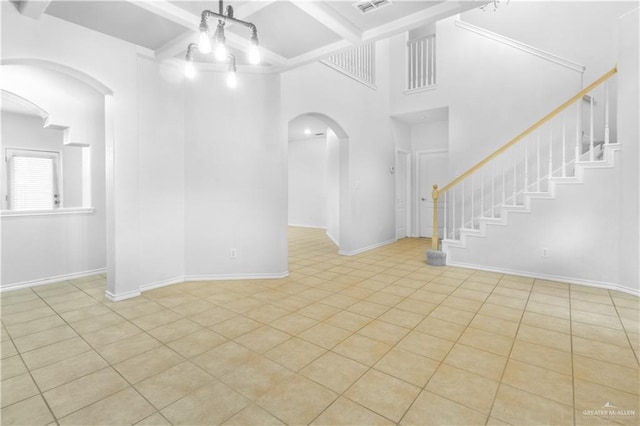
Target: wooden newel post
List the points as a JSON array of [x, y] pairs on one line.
[[434, 234]]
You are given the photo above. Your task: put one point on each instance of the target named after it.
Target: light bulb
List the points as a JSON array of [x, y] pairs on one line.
[[307, 131], [190, 70], [221, 52], [232, 81], [254, 54], [204, 44]]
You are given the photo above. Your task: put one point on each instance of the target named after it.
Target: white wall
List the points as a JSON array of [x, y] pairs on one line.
[[629, 135], [43, 247], [308, 175], [333, 187], [581, 31], [494, 91], [364, 115], [431, 135], [235, 194], [160, 173], [111, 66]]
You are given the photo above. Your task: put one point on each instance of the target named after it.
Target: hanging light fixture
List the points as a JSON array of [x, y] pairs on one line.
[[232, 80], [495, 5], [219, 39], [190, 69]]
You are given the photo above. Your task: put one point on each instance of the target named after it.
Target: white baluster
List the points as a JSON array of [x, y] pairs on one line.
[[445, 211], [422, 59], [515, 178], [606, 112], [503, 163], [564, 155], [482, 193], [591, 128], [433, 59], [473, 196], [493, 188], [526, 165], [550, 152], [453, 213], [578, 130], [538, 163], [462, 208]]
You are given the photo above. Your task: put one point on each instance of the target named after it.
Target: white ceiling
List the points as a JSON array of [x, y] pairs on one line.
[[297, 126], [291, 32]]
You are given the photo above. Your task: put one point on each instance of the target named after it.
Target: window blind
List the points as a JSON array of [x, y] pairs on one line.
[[33, 181]]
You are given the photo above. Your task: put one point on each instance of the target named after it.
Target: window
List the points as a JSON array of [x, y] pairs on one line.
[[32, 179]]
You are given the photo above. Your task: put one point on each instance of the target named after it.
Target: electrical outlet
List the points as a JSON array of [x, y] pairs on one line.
[[545, 252], [234, 253]]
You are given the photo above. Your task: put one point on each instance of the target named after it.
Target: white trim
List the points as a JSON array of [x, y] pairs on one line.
[[163, 283], [51, 280], [367, 248], [122, 296], [307, 226], [420, 89], [224, 277], [333, 239], [55, 212], [567, 280], [348, 74], [409, 194], [521, 46]]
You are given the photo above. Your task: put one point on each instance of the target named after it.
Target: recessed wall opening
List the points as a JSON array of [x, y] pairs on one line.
[[318, 175]]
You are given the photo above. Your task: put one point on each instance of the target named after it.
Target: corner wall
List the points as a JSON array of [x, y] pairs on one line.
[[235, 197], [363, 113]]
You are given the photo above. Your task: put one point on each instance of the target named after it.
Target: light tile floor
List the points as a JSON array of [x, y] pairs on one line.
[[378, 338]]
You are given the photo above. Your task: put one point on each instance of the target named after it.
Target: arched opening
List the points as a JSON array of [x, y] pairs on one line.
[[67, 112], [318, 176]]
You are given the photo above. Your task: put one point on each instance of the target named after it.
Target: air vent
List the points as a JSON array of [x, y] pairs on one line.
[[371, 5]]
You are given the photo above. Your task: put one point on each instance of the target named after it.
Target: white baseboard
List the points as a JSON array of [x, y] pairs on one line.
[[122, 296], [333, 239], [367, 248], [223, 277], [163, 283], [51, 280], [295, 225], [567, 280]]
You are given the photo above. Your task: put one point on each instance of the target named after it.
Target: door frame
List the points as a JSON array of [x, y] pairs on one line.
[[409, 198], [418, 155]]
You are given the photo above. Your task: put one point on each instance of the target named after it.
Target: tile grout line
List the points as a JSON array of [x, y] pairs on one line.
[[441, 362], [624, 328]]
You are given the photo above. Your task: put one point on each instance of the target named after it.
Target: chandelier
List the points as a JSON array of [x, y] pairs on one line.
[[221, 54]]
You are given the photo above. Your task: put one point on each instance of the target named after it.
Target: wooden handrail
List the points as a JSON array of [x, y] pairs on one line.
[[435, 194]]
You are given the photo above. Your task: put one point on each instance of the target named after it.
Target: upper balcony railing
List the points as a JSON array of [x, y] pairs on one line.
[[358, 63], [421, 63]]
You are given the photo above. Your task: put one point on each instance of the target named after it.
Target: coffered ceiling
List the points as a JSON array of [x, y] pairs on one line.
[[292, 32]]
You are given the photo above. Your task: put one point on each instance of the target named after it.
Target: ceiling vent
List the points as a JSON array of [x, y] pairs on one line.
[[371, 5]]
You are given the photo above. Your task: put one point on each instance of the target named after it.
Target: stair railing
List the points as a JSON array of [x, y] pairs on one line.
[[514, 174]]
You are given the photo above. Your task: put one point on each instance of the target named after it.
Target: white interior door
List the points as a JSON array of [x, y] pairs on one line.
[[403, 185], [433, 168]]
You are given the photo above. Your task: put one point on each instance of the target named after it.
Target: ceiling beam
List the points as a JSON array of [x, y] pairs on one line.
[[191, 22], [176, 45], [33, 8], [432, 14], [331, 19]]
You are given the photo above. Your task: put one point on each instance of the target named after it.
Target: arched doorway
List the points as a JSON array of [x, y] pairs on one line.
[[318, 176], [68, 119]]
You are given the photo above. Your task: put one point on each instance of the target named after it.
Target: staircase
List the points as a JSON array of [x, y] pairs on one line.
[[555, 153]]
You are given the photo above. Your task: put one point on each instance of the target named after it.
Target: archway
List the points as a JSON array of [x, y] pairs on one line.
[[78, 106], [318, 176]]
